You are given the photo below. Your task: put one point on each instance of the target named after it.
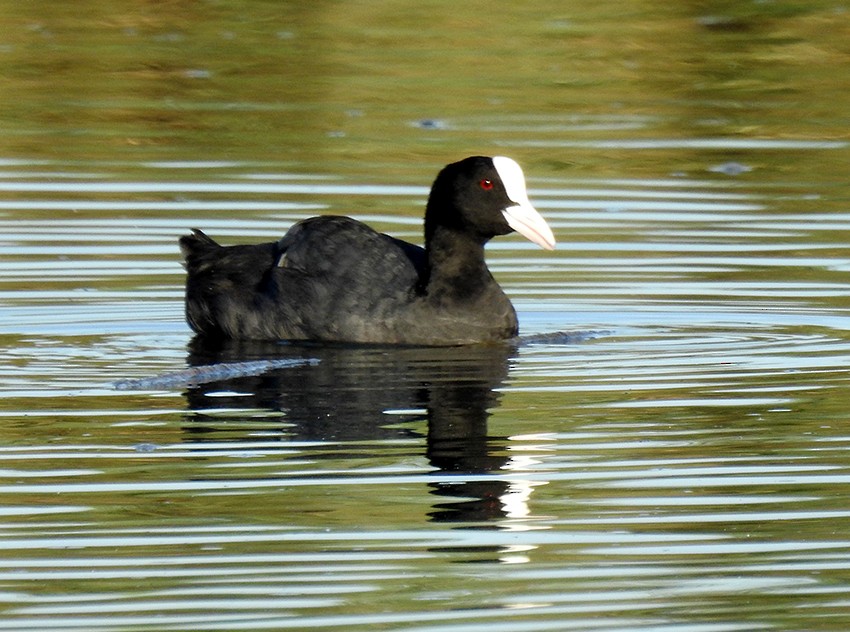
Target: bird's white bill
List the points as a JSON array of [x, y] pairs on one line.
[[523, 217], [525, 220]]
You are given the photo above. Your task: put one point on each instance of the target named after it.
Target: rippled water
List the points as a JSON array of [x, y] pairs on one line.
[[680, 462], [685, 464]]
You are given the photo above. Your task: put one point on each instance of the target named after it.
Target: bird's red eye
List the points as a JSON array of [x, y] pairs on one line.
[[486, 184]]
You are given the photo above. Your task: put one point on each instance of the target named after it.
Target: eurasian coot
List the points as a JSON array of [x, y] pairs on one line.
[[333, 278]]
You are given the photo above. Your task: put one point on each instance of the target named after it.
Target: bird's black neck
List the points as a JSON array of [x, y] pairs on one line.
[[456, 265]]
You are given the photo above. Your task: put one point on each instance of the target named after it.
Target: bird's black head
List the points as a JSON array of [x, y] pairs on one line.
[[483, 197]]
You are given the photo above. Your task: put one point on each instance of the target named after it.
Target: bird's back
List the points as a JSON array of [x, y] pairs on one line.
[[328, 278], [348, 281]]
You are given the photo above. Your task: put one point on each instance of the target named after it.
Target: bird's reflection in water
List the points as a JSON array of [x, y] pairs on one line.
[[346, 397]]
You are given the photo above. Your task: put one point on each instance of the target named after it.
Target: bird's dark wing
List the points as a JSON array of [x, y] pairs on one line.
[[344, 278]]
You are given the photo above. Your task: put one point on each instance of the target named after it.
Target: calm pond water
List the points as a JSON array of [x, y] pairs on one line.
[[681, 463]]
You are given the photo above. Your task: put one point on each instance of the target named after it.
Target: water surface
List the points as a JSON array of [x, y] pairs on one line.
[[685, 467]]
